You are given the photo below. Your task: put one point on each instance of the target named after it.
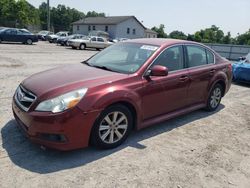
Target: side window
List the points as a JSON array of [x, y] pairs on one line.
[[196, 56], [93, 39], [172, 58], [210, 57], [11, 32], [100, 40]]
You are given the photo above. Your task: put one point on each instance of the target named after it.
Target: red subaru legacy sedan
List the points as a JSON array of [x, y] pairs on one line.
[[130, 85]]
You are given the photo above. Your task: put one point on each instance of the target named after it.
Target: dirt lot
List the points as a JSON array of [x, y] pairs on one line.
[[199, 149]]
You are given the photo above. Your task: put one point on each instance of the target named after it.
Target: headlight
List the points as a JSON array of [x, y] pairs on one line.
[[62, 102]]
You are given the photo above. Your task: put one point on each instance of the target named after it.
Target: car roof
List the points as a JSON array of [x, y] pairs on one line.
[[160, 41]]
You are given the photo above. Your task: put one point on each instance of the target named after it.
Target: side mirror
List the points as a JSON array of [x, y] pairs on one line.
[[157, 70]]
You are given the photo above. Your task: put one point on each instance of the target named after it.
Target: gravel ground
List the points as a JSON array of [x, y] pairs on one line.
[[199, 149]]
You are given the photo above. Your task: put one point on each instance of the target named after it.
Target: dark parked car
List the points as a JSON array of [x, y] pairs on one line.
[[64, 40], [130, 85], [42, 35], [17, 35]]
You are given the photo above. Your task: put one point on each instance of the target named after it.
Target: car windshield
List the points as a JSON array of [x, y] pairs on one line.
[[123, 57]]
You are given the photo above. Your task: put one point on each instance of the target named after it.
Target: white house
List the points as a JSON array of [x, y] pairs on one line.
[[116, 26]]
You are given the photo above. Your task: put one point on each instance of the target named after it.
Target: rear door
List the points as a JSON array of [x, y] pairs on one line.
[[92, 43], [10, 35], [168, 93], [201, 67]]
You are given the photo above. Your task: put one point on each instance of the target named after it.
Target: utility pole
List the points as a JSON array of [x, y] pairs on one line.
[[48, 16]]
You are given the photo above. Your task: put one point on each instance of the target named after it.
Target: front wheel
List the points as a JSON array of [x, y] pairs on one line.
[[214, 98], [112, 127]]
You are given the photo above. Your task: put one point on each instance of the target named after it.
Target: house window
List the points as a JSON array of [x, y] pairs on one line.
[[77, 27], [128, 30], [134, 31], [93, 27], [106, 28], [89, 28]]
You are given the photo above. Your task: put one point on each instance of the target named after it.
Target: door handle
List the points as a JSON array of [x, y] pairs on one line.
[[183, 78], [212, 71]]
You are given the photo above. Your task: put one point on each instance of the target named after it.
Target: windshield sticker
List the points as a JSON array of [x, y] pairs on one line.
[[147, 47]]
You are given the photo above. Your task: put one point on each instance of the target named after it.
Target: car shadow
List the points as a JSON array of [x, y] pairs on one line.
[[242, 83], [17, 43], [31, 157], [87, 49]]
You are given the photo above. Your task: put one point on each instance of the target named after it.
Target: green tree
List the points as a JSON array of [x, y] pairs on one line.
[[160, 31], [243, 39], [177, 35], [227, 39], [95, 14]]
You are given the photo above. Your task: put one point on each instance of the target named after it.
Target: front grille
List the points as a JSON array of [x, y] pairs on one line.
[[24, 98]]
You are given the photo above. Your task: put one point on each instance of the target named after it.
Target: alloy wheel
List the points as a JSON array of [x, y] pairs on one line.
[[29, 41], [113, 127], [215, 97]]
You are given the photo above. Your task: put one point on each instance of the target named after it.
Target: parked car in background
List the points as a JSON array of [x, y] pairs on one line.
[[64, 40], [119, 40], [42, 35], [130, 85], [99, 34], [92, 42], [53, 38], [241, 70], [17, 35]]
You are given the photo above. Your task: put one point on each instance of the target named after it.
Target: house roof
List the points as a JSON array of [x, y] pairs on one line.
[[150, 31], [110, 20]]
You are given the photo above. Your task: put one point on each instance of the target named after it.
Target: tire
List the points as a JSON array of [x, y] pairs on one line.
[[214, 98], [29, 41], [82, 46], [112, 127], [73, 47]]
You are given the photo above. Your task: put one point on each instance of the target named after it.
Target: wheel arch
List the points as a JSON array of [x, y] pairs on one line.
[[125, 103]]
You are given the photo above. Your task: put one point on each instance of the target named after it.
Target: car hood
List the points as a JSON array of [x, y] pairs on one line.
[[63, 79]]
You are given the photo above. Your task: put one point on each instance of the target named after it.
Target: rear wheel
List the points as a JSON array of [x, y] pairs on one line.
[[82, 46], [112, 127], [29, 41], [214, 97]]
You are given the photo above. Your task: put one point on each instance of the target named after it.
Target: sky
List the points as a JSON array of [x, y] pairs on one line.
[[188, 16]]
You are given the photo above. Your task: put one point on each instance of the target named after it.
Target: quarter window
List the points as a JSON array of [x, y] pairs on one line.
[[196, 56], [210, 57], [172, 58]]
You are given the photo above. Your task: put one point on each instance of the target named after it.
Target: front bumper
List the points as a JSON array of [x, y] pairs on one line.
[[72, 127]]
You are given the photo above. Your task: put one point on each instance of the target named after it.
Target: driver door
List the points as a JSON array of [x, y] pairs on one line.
[[166, 94]]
